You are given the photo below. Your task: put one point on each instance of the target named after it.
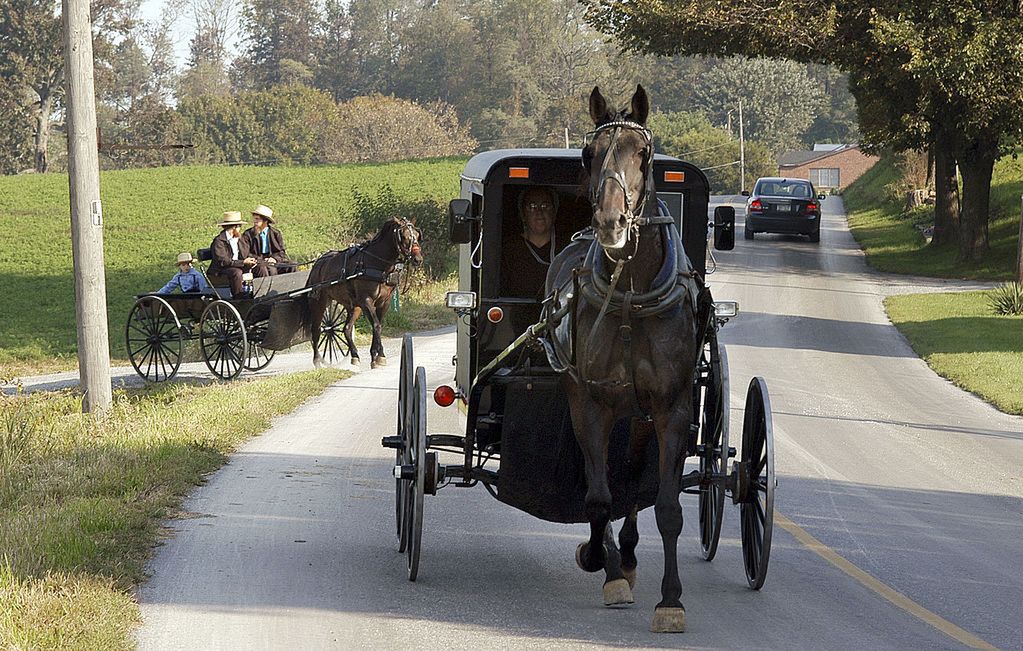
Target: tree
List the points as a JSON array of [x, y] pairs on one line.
[[206, 69], [15, 125], [280, 41], [961, 57]]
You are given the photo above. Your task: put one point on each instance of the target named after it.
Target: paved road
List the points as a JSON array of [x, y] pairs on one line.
[[899, 500]]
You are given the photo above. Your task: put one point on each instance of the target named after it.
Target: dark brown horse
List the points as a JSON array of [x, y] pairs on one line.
[[635, 346], [368, 275]]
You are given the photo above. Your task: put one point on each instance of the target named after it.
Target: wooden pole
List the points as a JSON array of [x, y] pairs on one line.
[[86, 209], [1019, 246], [742, 153]]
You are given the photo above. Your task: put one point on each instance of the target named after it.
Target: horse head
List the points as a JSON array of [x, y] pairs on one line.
[[619, 159], [407, 237]]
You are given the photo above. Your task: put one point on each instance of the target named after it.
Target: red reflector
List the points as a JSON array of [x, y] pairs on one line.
[[495, 314], [518, 172], [674, 177], [444, 395]]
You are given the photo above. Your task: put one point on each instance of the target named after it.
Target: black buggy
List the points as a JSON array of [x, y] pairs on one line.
[[233, 334], [518, 441]]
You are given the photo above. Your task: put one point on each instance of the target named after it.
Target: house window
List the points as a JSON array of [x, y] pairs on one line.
[[824, 177]]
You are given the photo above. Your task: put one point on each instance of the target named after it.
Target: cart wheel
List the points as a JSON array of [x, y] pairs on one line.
[[258, 357], [756, 483], [153, 337], [416, 481], [406, 381], [714, 437], [332, 345], [222, 340]]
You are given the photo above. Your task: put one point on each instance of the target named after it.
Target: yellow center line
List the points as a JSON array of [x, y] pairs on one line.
[[892, 595]]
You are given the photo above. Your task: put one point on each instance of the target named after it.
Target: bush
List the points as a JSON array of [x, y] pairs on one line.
[[369, 211], [1007, 299]]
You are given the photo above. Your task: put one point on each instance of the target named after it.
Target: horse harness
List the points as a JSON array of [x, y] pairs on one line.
[[390, 275], [673, 283]]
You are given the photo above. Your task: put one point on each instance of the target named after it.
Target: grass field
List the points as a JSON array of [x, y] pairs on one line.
[[892, 244], [150, 215], [963, 341], [81, 501]]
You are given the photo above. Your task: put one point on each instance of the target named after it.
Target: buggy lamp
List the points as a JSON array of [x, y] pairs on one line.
[[495, 314], [726, 309], [444, 395], [460, 300]]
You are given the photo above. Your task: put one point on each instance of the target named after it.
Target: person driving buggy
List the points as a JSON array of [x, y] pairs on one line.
[[231, 255], [527, 255]]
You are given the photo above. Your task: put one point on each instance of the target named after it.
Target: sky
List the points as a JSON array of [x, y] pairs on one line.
[[182, 31]]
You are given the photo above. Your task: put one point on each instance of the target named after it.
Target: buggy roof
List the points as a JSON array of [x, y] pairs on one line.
[[479, 166]]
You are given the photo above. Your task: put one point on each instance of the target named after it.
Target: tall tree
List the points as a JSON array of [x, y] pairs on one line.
[[280, 41], [216, 22]]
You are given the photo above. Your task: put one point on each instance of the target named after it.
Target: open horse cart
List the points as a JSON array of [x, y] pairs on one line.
[[234, 334], [519, 441]]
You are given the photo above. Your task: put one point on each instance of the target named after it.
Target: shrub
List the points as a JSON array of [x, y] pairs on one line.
[[1007, 299]]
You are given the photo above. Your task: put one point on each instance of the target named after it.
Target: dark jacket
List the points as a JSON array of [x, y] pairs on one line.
[[275, 241], [222, 254]]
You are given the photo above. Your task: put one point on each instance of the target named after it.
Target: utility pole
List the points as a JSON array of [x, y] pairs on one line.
[[86, 210], [742, 153], [566, 137]]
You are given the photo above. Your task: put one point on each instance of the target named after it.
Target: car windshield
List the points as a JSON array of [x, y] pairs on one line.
[[784, 189]]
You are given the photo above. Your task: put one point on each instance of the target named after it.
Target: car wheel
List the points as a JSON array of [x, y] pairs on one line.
[[815, 236], [748, 233]]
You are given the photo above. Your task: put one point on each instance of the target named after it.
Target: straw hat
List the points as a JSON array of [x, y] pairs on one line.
[[264, 212], [184, 257], [232, 218]]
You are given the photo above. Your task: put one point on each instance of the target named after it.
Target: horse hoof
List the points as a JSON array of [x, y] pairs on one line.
[[630, 576], [355, 361], [669, 620], [617, 593], [380, 361], [579, 551]]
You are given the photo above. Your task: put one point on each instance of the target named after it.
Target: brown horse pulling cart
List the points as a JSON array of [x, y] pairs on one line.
[[590, 400]]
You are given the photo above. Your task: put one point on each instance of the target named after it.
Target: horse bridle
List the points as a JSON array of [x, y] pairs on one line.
[[413, 234], [634, 216]]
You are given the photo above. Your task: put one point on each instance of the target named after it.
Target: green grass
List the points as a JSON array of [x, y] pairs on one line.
[[892, 244], [81, 501], [150, 215], [960, 337]]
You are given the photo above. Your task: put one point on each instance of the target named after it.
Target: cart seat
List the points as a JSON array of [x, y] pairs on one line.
[[220, 284]]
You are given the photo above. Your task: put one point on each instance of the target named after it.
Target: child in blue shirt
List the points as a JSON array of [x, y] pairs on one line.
[[187, 279]]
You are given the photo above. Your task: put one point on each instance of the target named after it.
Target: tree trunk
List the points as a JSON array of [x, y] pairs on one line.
[[976, 162], [42, 137], [946, 194]]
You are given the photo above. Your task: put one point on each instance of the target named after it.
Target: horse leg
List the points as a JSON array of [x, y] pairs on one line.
[[353, 316], [671, 426], [628, 540], [376, 349], [381, 312], [317, 306], [596, 554]]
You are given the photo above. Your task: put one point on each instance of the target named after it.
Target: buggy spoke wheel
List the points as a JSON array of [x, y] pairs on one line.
[[415, 487], [223, 340], [258, 357], [406, 384], [332, 346], [154, 339], [757, 482], [714, 459]]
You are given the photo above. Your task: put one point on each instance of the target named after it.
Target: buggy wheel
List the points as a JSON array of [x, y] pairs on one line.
[[714, 458], [154, 338], [332, 346], [222, 339], [415, 482], [756, 481], [406, 384], [258, 357]]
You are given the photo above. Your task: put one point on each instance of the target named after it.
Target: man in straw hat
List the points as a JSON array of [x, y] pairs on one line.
[[266, 242], [231, 255], [186, 279]]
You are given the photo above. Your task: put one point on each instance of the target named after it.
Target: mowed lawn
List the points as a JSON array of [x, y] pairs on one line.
[[151, 215], [960, 337]]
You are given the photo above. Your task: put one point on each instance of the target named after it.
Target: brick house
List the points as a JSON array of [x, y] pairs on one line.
[[828, 167]]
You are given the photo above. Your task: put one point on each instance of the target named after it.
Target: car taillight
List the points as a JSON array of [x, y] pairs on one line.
[[811, 207], [756, 206]]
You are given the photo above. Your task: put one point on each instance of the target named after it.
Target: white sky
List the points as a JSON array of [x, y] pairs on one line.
[[184, 26]]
